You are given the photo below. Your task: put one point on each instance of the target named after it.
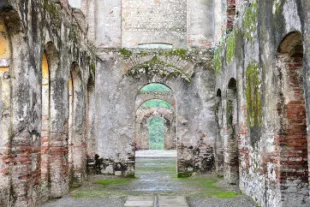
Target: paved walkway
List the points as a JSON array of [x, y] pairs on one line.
[[157, 201], [156, 184]]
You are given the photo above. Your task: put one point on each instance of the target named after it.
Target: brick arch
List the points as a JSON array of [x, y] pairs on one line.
[[173, 65], [143, 116], [167, 96], [292, 170]]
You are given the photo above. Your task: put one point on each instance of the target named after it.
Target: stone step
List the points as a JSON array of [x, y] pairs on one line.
[[140, 201], [172, 201]]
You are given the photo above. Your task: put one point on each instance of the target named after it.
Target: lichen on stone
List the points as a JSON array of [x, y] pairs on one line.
[[53, 11], [217, 60], [230, 47], [174, 52], [126, 53], [250, 21], [253, 94], [158, 67]]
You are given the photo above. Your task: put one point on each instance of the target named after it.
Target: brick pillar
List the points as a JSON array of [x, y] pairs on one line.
[[293, 175], [231, 13]]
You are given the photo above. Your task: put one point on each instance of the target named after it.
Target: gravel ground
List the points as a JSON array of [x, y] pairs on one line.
[[154, 177]]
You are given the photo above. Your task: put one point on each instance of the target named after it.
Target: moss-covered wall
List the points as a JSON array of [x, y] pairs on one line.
[[249, 54]]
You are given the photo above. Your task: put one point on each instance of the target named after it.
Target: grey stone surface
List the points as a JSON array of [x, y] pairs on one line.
[[140, 201], [167, 201]]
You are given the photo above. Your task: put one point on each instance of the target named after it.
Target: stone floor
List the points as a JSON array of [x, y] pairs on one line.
[[156, 180], [156, 154]]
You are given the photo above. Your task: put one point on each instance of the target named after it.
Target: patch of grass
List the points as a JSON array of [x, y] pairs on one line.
[[208, 188], [227, 195]]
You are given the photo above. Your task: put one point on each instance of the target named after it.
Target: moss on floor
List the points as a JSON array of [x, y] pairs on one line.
[[152, 176], [208, 188]]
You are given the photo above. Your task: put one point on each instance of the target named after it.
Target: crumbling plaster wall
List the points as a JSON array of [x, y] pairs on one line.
[[117, 90], [180, 23], [31, 25], [253, 43]]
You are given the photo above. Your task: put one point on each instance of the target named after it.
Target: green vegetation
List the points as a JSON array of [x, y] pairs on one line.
[[54, 12], [184, 174], [230, 47], [175, 52], [217, 59], [208, 188], [250, 21], [155, 65], [126, 53], [253, 95], [155, 87], [157, 133]]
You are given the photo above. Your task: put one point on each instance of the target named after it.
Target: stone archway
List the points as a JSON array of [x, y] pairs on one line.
[[292, 133], [143, 118]]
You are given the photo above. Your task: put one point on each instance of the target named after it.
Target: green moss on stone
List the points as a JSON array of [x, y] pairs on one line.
[[230, 47], [250, 21], [126, 53], [149, 66], [54, 12], [175, 52], [74, 34], [253, 95], [184, 174], [217, 60]]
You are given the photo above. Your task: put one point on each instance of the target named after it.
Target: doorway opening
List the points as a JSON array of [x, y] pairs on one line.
[[155, 141]]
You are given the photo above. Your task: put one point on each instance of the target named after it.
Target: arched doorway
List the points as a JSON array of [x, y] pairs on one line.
[[231, 159], [292, 132], [155, 120], [155, 129]]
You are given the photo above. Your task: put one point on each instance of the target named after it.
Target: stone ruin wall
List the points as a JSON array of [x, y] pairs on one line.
[[195, 117], [216, 126], [269, 158], [35, 27]]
